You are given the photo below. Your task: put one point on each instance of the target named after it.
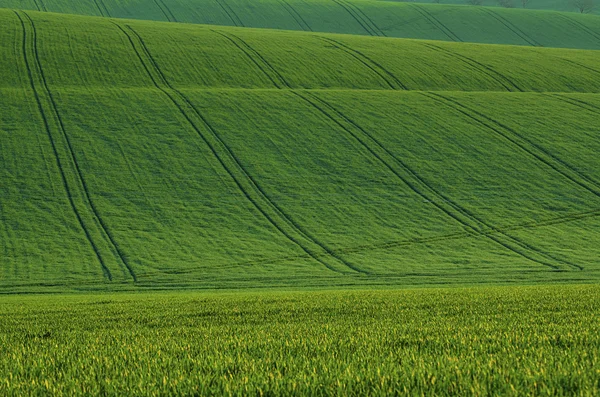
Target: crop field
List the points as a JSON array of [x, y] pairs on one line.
[[183, 156], [479, 341], [298, 197], [458, 23]]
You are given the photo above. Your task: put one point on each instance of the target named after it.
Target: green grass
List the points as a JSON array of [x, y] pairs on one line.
[[556, 5], [482, 341], [359, 17], [282, 160]]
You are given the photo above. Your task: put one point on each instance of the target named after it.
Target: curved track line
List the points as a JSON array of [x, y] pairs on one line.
[[580, 65], [296, 15], [166, 10], [577, 102], [418, 185], [581, 26], [532, 149], [101, 8], [105, 231], [261, 63], [510, 26], [233, 166], [365, 18], [497, 76], [230, 13], [355, 17], [391, 80], [436, 23], [36, 93], [35, 2]]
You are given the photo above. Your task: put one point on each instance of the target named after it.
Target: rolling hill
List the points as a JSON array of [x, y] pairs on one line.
[[556, 5], [359, 17], [156, 155]]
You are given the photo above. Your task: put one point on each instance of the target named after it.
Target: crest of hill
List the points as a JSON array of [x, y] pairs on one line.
[[359, 17], [97, 52]]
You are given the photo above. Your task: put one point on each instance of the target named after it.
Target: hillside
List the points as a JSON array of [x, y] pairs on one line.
[[555, 5], [359, 17], [248, 158]]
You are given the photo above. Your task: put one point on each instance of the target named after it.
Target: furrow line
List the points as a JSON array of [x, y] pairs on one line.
[[255, 57], [430, 194], [391, 80], [366, 19], [234, 168], [168, 11], [510, 26], [80, 180], [581, 26], [436, 22], [37, 5], [105, 270], [296, 15], [99, 8], [498, 77], [355, 17], [230, 13], [103, 4], [162, 10], [581, 66], [577, 102], [527, 146]]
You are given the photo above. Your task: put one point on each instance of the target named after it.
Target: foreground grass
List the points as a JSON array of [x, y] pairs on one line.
[[524, 340]]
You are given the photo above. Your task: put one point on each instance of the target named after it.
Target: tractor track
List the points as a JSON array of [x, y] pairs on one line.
[[355, 17], [34, 72], [416, 183], [580, 65], [496, 76], [250, 189], [102, 8], [577, 102], [230, 13], [392, 81], [103, 228], [364, 17], [261, 63], [436, 23], [296, 15], [510, 26], [532, 149], [582, 27]]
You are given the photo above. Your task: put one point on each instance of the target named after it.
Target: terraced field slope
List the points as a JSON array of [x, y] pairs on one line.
[[360, 17], [141, 154]]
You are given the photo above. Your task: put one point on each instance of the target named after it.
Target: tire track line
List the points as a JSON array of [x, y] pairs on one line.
[[261, 63], [167, 10], [81, 184], [40, 5], [233, 166], [41, 108], [230, 13], [418, 185], [366, 19], [495, 75], [577, 102], [510, 26], [524, 144], [296, 15], [391, 80], [580, 65], [437, 23], [102, 8], [581, 26], [355, 17], [156, 2]]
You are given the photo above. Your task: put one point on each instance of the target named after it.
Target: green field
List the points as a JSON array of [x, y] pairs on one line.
[[248, 158], [556, 5], [481, 341], [358, 17]]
